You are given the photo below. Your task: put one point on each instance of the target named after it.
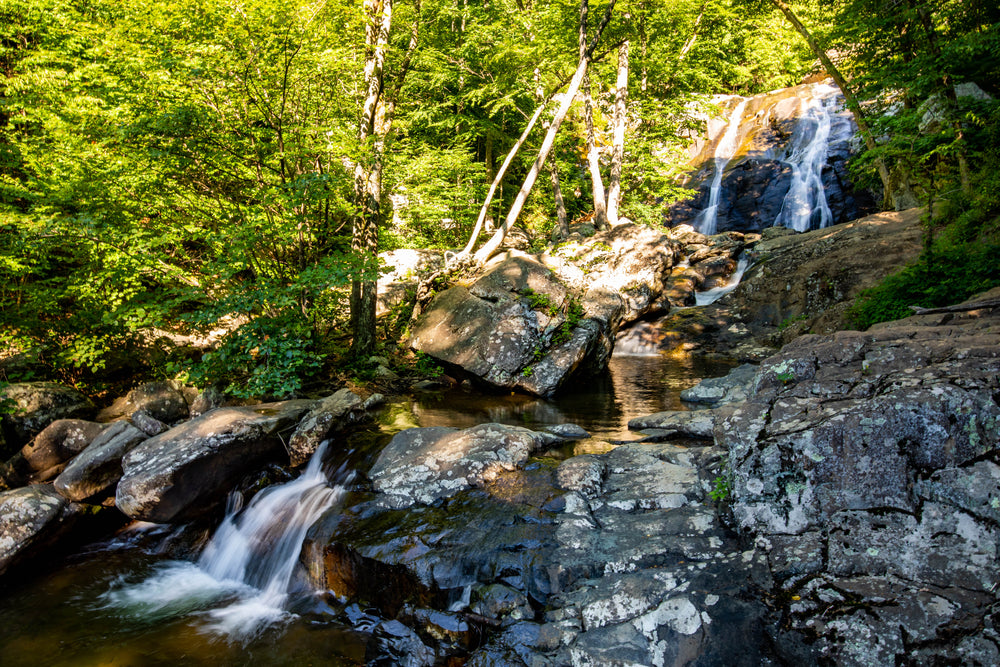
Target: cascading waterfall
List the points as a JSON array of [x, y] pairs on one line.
[[724, 151], [712, 295], [806, 200], [242, 582]]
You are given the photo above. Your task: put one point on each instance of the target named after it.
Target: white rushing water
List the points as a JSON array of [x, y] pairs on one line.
[[806, 155], [241, 583], [707, 220], [716, 293]]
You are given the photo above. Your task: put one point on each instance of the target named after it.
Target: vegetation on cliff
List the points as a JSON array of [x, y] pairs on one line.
[[202, 166]]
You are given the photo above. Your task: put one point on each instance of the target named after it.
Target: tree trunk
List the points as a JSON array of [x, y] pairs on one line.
[[621, 121], [493, 244], [561, 230], [593, 157], [499, 179], [372, 130], [852, 102]]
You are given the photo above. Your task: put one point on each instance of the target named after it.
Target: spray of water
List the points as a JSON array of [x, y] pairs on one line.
[[241, 583]]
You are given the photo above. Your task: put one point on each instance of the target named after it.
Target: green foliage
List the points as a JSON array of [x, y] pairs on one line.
[[721, 489], [267, 357], [539, 301], [574, 314], [426, 365]]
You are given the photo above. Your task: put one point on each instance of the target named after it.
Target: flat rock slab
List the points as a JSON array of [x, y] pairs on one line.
[[180, 473], [680, 423], [421, 465]]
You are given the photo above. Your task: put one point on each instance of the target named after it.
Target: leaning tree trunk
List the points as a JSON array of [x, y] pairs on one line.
[[852, 102], [493, 244], [368, 178], [621, 121]]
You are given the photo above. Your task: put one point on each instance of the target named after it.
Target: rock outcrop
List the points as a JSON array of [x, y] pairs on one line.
[[99, 467], [162, 401], [184, 471], [531, 323], [867, 465], [797, 283], [333, 414]]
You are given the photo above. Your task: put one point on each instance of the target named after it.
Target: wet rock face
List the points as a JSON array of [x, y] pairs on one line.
[[616, 558], [866, 463], [184, 471], [35, 406], [331, 415], [797, 283]]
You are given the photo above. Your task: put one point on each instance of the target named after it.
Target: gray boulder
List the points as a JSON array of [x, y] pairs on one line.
[[31, 518], [329, 416], [99, 467], [420, 465], [162, 401], [509, 325], [731, 388], [58, 442], [176, 475], [35, 406]]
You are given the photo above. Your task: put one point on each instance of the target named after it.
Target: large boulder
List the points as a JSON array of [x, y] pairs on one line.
[[35, 405], [162, 401], [99, 467], [31, 518], [865, 463], [59, 442], [514, 316], [181, 473]]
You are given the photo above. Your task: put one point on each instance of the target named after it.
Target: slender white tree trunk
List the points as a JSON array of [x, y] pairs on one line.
[[621, 121]]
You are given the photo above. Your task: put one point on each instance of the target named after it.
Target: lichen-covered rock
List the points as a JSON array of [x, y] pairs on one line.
[[31, 518], [679, 423], [58, 442], [731, 388], [421, 465], [865, 463], [163, 401], [330, 415], [99, 467], [35, 405], [181, 473]]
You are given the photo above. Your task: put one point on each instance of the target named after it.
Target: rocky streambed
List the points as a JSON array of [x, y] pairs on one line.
[[834, 504]]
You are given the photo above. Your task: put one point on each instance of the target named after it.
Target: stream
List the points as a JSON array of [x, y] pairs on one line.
[[136, 600]]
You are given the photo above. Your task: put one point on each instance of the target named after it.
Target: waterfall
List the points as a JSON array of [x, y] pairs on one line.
[[716, 293], [242, 581], [806, 200], [724, 151]]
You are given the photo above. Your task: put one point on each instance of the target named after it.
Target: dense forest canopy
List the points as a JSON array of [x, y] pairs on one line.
[[171, 166]]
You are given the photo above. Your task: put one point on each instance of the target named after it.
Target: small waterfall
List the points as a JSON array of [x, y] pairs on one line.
[[241, 583], [806, 200], [716, 293], [724, 151]]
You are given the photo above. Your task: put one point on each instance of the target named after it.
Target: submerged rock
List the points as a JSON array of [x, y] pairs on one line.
[[179, 474]]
